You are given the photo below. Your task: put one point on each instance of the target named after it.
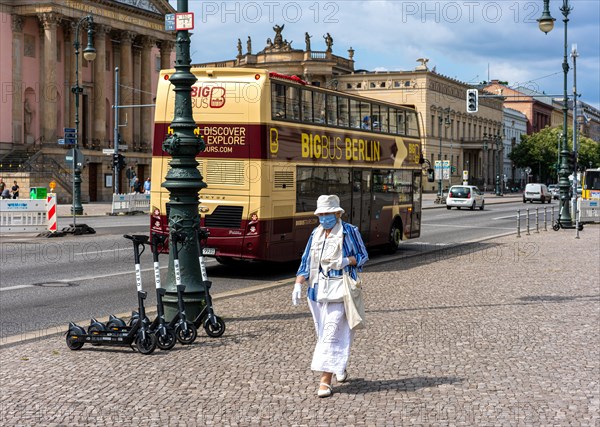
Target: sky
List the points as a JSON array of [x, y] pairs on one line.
[[471, 41]]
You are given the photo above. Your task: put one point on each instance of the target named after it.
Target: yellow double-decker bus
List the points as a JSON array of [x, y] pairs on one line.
[[274, 144]]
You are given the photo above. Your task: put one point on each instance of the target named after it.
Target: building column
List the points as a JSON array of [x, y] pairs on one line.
[[146, 88], [19, 110], [126, 82], [50, 88], [99, 64], [166, 47]]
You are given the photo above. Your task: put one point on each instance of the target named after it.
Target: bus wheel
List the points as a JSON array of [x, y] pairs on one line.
[[395, 237]]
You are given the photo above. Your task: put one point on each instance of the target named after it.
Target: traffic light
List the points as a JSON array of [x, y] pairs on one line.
[[430, 175], [472, 100], [118, 161]]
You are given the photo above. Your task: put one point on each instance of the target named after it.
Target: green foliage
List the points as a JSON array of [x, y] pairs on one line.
[[539, 151]]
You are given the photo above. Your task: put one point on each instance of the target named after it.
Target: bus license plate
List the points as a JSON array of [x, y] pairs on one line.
[[208, 251]]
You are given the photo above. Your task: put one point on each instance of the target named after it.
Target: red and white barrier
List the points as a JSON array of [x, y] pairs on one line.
[[51, 213]]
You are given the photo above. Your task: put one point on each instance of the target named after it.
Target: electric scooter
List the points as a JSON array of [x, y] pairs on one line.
[[213, 324], [185, 331], [165, 336], [139, 334]]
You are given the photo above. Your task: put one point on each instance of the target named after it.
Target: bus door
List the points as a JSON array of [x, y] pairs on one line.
[[361, 202], [415, 226]]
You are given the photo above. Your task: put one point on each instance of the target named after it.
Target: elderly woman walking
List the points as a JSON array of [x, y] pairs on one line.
[[334, 246]]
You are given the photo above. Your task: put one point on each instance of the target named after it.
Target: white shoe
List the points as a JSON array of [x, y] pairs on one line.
[[342, 378], [325, 393]]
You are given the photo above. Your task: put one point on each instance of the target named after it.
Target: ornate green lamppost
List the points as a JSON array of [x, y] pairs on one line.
[[184, 181], [546, 24]]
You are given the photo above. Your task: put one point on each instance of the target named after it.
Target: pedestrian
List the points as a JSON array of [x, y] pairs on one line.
[[345, 250], [2, 186], [137, 185], [15, 190], [5, 193], [147, 185]]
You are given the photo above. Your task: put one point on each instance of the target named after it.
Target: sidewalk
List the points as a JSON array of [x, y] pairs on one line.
[[501, 332]]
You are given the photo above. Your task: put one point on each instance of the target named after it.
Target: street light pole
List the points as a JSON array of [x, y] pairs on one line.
[[546, 23], [446, 121], [485, 155], [89, 53], [498, 141], [184, 181]]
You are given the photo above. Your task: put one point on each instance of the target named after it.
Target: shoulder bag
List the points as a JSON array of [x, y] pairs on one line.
[[354, 304]]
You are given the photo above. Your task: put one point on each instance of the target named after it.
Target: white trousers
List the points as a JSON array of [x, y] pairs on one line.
[[334, 337]]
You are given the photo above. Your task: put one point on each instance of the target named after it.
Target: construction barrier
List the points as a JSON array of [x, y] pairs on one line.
[[589, 210], [27, 215], [130, 203]]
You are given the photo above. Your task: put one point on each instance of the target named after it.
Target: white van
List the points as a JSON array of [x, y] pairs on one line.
[[537, 192]]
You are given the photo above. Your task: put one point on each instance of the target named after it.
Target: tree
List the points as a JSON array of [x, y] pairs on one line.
[[540, 150]]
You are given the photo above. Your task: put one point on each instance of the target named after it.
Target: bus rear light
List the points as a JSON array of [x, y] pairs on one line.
[[166, 77], [469, 196], [257, 77], [254, 217], [252, 229]]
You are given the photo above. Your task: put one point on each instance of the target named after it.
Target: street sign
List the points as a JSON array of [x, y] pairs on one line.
[[184, 21], [61, 141], [170, 22], [446, 169], [70, 141], [69, 130], [465, 177], [78, 157], [108, 151], [437, 167]]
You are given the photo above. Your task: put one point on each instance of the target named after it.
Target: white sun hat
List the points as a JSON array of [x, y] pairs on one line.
[[328, 204]]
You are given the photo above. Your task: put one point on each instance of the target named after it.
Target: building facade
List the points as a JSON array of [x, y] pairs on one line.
[[39, 59], [515, 126]]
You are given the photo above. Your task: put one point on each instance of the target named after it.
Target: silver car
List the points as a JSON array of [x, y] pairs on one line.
[[465, 196], [555, 191]]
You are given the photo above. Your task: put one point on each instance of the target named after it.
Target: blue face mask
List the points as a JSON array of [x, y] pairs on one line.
[[328, 221]]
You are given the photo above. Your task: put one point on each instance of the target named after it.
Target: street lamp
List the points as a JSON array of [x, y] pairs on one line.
[[447, 122], [89, 53], [184, 181], [499, 172], [485, 155], [546, 23]]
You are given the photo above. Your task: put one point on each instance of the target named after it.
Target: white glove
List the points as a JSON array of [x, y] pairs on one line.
[[297, 294]]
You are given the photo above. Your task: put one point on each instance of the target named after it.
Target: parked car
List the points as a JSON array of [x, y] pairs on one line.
[[536, 192], [555, 191], [465, 196]]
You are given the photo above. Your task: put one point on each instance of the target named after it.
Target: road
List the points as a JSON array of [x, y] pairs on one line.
[[45, 283]]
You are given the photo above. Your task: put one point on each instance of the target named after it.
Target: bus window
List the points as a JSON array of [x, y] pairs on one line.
[[278, 101], [343, 113], [314, 181], [375, 118], [393, 121], [383, 118], [401, 123], [355, 117], [332, 110], [319, 107], [292, 108], [365, 111], [412, 124], [307, 106]]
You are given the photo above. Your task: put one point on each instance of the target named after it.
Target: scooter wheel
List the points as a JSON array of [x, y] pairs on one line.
[[556, 227], [95, 329], [214, 331], [186, 337], [73, 345], [165, 340], [145, 344], [116, 323]]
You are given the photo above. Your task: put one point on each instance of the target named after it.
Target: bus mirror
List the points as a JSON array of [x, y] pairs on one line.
[[430, 175]]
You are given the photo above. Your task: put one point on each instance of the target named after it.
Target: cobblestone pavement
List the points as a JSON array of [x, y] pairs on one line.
[[501, 332]]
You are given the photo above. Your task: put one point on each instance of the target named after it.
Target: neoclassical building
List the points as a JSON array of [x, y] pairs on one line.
[[38, 65]]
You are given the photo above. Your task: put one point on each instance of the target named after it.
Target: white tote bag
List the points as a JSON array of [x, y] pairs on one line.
[[353, 301]]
